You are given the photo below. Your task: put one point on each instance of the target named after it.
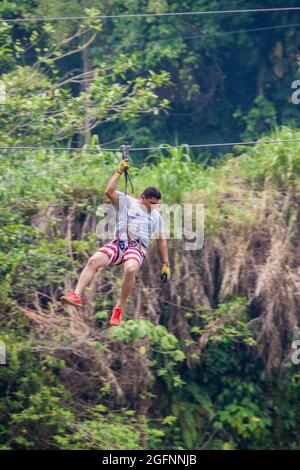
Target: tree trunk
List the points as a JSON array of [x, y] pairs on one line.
[[85, 85]]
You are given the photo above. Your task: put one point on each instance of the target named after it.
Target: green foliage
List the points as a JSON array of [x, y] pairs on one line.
[[260, 120], [219, 404], [204, 57], [30, 254], [56, 115], [38, 412], [163, 349], [243, 420], [172, 169], [153, 80], [278, 163], [192, 411], [233, 326], [101, 430], [33, 406]]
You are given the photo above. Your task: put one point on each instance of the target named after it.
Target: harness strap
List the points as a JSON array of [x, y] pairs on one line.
[[125, 154]]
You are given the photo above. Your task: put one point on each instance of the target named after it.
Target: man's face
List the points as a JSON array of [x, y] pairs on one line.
[[150, 203]]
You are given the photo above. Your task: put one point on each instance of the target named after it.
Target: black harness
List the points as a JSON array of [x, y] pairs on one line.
[[125, 149]]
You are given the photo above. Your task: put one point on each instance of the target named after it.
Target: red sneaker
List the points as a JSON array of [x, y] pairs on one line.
[[116, 317], [72, 299]]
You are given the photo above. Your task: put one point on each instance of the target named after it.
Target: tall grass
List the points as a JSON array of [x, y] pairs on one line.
[[226, 189]]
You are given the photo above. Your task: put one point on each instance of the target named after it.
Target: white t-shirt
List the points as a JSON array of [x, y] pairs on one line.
[[141, 224]]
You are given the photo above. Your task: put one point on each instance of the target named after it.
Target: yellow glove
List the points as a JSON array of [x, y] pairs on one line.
[[165, 272], [123, 165]]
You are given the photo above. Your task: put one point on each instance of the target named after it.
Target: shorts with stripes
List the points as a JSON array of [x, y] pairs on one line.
[[119, 253]]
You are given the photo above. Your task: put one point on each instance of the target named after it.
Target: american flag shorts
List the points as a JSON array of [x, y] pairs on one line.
[[119, 252]]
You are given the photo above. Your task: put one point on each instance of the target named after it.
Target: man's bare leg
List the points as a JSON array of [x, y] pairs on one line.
[[98, 260], [131, 267]]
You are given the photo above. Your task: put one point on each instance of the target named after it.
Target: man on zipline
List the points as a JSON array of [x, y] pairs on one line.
[[137, 221]]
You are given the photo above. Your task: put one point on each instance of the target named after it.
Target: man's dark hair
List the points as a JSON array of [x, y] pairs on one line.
[[151, 191]]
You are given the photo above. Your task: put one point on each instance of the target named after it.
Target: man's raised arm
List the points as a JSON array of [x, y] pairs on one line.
[[110, 191]]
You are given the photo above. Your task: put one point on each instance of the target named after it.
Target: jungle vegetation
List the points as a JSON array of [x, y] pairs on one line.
[[203, 362]]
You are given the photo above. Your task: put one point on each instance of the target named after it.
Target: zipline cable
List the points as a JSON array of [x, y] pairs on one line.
[[198, 36], [215, 33], [160, 147], [147, 15]]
